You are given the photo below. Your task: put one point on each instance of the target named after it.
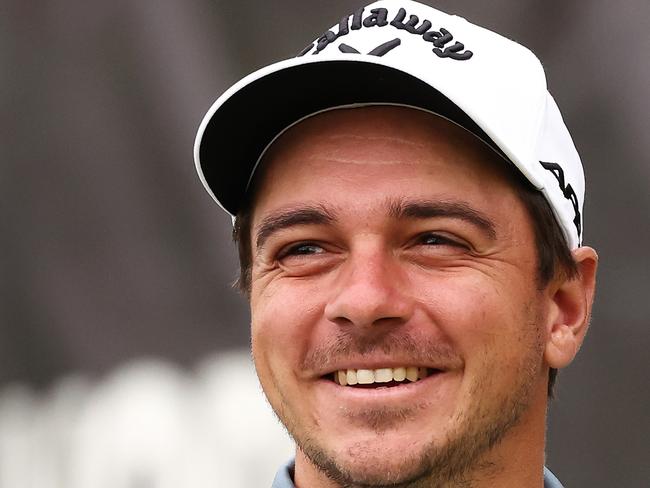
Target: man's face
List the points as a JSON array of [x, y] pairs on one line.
[[386, 239]]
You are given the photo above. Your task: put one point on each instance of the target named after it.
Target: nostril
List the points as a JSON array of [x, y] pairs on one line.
[[341, 321], [377, 323], [388, 321]]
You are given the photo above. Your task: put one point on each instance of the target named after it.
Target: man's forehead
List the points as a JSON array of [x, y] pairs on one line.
[[388, 162], [374, 134]]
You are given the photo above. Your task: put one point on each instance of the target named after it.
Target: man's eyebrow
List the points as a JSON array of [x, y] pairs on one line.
[[424, 209], [289, 217]]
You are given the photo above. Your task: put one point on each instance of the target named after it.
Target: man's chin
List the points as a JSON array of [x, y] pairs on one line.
[[385, 470], [374, 463]]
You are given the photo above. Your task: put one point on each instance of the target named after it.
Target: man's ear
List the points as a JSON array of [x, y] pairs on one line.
[[572, 299]]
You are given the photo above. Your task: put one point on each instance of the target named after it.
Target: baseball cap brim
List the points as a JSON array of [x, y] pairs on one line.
[[241, 124]]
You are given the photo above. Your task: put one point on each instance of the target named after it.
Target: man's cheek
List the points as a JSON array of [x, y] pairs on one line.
[[279, 335], [460, 308]]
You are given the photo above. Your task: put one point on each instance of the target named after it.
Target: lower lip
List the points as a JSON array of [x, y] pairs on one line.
[[402, 392]]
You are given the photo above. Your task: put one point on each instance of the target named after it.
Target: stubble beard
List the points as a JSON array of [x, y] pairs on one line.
[[452, 462]]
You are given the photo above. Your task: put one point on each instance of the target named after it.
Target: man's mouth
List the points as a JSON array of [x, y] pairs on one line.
[[381, 377]]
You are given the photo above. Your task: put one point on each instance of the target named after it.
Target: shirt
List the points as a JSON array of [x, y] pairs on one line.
[[284, 477]]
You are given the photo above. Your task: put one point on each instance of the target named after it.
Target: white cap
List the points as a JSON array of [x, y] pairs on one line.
[[406, 53]]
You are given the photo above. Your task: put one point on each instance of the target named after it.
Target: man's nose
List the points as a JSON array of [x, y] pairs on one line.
[[370, 290]]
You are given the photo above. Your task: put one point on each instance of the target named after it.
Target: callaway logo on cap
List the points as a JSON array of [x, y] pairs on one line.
[[401, 53]]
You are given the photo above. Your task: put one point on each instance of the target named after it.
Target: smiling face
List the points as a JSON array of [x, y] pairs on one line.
[[396, 322]]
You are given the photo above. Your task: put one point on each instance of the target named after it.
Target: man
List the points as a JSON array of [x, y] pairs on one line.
[[408, 210]]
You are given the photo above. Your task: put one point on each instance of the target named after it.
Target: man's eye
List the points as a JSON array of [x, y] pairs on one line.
[[430, 239], [302, 249]]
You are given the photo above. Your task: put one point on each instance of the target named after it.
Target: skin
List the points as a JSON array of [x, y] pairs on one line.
[[386, 237]]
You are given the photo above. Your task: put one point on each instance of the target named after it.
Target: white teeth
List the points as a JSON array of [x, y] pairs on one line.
[[365, 376], [412, 373], [399, 374], [343, 380], [381, 375], [352, 376]]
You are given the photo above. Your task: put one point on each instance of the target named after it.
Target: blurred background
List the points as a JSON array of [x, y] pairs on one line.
[[123, 348]]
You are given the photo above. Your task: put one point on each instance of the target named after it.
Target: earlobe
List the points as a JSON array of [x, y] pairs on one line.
[[572, 300]]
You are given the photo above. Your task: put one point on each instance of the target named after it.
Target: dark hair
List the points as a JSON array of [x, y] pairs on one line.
[[554, 258]]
